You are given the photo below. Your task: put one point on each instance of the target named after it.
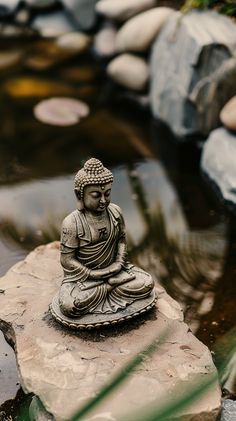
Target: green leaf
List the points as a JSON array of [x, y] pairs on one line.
[[120, 377]]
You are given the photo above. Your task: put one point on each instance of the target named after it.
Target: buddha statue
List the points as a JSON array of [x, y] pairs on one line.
[[99, 285]]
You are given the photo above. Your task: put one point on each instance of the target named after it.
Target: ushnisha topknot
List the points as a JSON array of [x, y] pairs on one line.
[[93, 172]]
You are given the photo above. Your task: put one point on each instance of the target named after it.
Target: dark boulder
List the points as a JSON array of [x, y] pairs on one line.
[[193, 71]]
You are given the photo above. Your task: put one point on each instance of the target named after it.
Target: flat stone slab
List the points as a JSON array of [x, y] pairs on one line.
[[65, 368]]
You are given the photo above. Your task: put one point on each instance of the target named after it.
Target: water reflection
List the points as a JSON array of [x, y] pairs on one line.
[[188, 263], [9, 381]]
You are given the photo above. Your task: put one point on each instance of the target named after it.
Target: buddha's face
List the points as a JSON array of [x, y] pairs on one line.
[[97, 197]]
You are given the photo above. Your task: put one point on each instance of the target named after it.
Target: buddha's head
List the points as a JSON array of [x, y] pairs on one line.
[[93, 186]]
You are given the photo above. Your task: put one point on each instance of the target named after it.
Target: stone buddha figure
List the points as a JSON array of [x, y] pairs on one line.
[[99, 285]]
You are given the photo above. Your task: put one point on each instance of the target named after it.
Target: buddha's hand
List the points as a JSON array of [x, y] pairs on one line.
[[115, 268], [111, 270]]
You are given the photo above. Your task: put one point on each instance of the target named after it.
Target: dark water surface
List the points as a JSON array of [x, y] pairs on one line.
[[175, 227]]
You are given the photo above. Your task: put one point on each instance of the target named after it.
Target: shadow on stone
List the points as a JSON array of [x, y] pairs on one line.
[[100, 334]]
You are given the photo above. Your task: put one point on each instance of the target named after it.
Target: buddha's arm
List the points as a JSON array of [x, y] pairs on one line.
[[121, 251], [70, 262], [69, 246], [122, 246]]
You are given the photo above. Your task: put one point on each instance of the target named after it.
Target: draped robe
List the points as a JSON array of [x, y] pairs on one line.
[[79, 294]]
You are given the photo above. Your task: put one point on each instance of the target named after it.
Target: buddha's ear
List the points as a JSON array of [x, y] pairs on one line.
[[77, 193], [80, 201]]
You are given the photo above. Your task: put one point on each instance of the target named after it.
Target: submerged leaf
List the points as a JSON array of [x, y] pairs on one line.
[[10, 58], [61, 111], [26, 87], [80, 73]]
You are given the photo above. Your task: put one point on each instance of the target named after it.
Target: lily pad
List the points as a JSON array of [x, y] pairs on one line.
[[61, 111]]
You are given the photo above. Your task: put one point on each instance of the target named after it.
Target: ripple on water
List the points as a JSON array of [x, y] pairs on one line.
[[9, 255]]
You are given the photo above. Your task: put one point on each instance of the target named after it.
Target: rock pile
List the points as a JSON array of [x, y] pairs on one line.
[[141, 23], [192, 65], [193, 71], [187, 62]]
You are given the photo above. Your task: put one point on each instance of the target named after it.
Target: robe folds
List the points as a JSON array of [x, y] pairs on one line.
[[81, 295]]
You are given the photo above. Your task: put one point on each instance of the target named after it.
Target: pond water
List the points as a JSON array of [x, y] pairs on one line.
[[176, 229]]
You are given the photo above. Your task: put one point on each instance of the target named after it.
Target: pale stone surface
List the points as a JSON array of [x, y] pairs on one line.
[[193, 71], [228, 114], [65, 368], [130, 71], [219, 163], [122, 10], [138, 33], [104, 40], [74, 41]]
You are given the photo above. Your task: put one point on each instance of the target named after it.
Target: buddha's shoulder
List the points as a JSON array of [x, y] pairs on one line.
[[71, 219], [116, 210]]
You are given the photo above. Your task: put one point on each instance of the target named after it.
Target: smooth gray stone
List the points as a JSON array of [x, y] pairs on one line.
[[193, 73], [218, 163], [228, 410], [82, 11]]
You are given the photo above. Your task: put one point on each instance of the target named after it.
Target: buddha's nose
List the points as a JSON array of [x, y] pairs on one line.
[[103, 200]]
